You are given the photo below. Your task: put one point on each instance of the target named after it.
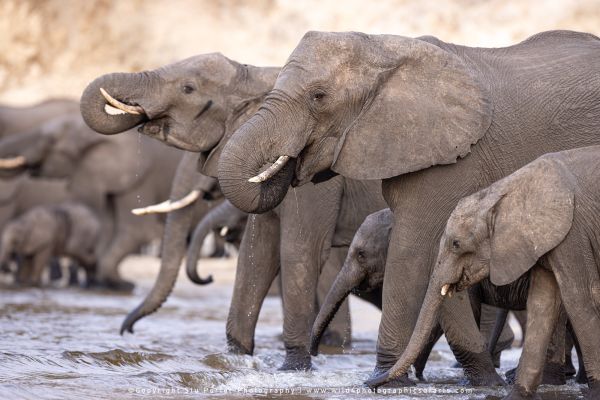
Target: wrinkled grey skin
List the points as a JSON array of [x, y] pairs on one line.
[[224, 216], [178, 226], [67, 229], [195, 105], [111, 175], [362, 274], [398, 109], [541, 220], [14, 120]]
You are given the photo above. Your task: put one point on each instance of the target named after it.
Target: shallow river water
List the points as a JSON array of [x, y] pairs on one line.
[[65, 344]]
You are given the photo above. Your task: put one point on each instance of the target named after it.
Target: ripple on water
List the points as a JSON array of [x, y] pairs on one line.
[[116, 357]]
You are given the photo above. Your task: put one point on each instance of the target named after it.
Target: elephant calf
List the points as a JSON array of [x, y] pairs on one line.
[[541, 220], [362, 275], [67, 229]]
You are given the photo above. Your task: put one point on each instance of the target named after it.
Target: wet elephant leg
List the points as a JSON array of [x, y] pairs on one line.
[[543, 307], [308, 216], [487, 323], [258, 264], [338, 332], [40, 261], [465, 340]]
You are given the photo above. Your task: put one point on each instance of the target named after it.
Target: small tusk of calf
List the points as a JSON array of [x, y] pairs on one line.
[[445, 289], [271, 171], [224, 231]]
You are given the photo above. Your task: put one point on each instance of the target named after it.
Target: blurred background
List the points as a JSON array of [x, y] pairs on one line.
[[55, 47]]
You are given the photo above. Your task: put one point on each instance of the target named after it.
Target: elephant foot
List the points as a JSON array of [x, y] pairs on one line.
[[479, 370], [554, 374], [569, 367], [296, 359], [519, 393], [399, 382], [235, 347]]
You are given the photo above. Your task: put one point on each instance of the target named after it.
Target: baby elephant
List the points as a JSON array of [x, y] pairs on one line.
[[67, 229], [542, 220], [362, 275]]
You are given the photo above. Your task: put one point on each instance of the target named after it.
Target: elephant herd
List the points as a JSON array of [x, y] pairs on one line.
[[432, 179]]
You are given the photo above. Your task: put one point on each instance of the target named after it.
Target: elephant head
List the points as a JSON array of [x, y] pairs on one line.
[[500, 233], [362, 271], [188, 104], [363, 106], [66, 148]]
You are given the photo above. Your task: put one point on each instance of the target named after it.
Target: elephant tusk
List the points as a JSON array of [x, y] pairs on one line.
[[271, 171], [224, 231], [445, 289], [168, 206], [11, 163], [137, 110]]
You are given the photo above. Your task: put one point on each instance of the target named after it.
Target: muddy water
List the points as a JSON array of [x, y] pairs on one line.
[[64, 343]]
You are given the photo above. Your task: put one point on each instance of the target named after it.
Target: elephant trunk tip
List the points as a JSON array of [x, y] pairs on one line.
[[378, 380]]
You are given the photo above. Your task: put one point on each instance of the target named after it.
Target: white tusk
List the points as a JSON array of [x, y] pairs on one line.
[[121, 106], [10, 163], [224, 231], [271, 171], [445, 289], [168, 206], [110, 110]]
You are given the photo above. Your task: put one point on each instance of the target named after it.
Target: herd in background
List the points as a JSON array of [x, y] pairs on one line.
[[434, 180]]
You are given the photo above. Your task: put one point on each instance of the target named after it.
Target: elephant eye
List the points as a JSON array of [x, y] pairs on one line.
[[361, 255], [455, 244], [187, 89], [318, 96]]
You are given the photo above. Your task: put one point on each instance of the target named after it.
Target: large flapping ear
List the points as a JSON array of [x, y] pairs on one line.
[[532, 216], [426, 107], [208, 164]]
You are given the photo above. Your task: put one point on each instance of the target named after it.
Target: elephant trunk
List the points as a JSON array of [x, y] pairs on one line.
[[217, 217], [345, 281], [173, 249], [112, 103], [252, 175], [428, 318]]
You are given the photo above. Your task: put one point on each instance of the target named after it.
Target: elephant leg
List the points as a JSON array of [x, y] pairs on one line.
[[554, 368], [308, 217], [521, 317], [488, 324], [465, 340], [569, 366], [258, 264], [55, 269], [24, 270], [543, 308], [40, 261], [124, 243], [581, 376], [338, 332]]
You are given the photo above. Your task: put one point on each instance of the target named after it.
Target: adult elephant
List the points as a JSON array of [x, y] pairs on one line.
[[111, 175], [434, 120], [14, 120], [195, 105]]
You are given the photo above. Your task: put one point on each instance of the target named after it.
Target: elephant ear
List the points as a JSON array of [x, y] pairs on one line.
[[425, 108], [208, 164], [531, 217]]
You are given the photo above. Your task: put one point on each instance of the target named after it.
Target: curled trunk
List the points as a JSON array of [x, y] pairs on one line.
[[223, 215], [125, 87], [341, 288], [244, 157]]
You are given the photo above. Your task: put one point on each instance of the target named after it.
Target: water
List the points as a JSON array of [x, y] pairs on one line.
[[64, 344]]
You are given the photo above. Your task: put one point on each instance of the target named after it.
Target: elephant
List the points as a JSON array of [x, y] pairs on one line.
[[195, 105], [231, 223], [67, 229], [14, 120], [539, 221], [111, 175], [363, 272], [434, 120]]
